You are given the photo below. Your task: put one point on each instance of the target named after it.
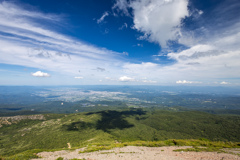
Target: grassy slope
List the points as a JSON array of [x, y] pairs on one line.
[[110, 126]]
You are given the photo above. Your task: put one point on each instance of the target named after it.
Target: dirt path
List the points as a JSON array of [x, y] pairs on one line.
[[139, 153]]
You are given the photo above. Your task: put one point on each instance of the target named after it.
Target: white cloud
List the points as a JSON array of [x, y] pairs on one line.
[[123, 26], [223, 82], [125, 53], [143, 69], [159, 20], [200, 12], [186, 82], [100, 20], [78, 77], [40, 74], [149, 81], [194, 52], [143, 65], [126, 79], [140, 45], [121, 5], [206, 62]]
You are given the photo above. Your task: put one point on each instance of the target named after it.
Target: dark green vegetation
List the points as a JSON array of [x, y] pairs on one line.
[[57, 107], [119, 127]]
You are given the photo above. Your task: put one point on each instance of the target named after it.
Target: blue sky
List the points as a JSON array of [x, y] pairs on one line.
[[122, 42]]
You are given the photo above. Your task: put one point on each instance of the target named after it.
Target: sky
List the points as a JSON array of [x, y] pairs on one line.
[[120, 42]]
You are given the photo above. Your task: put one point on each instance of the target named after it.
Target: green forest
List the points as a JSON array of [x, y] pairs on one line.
[[22, 138]]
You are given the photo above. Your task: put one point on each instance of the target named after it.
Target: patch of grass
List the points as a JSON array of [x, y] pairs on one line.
[[29, 154], [127, 152], [98, 147], [106, 152], [24, 155], [208, 146], [200, 149]]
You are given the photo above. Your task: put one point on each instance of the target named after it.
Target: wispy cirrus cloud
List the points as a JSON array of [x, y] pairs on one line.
[[9, 9], [101, 19], [123, 26], [26, 42]]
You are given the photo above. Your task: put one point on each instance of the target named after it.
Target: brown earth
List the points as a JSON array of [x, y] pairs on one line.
[[141, 153]]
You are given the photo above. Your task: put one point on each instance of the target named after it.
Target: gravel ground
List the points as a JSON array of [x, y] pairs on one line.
[[139, 153]]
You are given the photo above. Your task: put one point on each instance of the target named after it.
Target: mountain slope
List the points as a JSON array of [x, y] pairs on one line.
[[55, 131]]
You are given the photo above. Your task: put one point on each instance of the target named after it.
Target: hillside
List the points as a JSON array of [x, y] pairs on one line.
[[55, 131]]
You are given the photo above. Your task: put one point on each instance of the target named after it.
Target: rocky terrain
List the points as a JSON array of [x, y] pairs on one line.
[[141, 153], [16, 119]]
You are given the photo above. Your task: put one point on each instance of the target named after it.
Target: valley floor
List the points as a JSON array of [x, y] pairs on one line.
[[141, 153]]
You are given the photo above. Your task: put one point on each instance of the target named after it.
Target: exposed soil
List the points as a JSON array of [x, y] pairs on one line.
[[141, 153]]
